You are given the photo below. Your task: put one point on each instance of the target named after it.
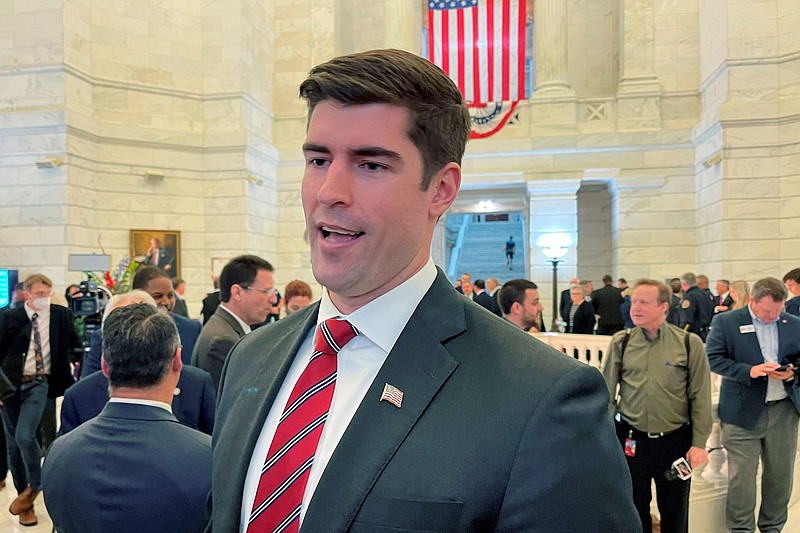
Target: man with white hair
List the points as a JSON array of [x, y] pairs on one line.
[[192, 401]]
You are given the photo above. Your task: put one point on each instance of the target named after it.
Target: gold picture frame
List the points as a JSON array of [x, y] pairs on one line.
[[168, 252]]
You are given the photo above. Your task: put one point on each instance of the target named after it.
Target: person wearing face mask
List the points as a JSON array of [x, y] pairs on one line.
[[36, 341]]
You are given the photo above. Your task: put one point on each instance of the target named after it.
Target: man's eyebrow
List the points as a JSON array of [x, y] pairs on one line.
[[364, 151]]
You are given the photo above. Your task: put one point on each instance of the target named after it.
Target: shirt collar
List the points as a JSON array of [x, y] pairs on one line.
[[30, 312], [245, 327], [383, 319], [142, 401]]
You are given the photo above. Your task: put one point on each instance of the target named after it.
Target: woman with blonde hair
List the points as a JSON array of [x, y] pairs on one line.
[[740, 292]]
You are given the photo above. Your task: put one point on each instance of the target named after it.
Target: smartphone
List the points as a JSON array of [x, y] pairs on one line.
[[783, 367], [682, 468]]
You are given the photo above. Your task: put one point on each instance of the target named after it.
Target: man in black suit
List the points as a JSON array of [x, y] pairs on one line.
[[133, 467], [606, 302], [179, 285], [566, 299], [482, 298], [792, 281], [755, 350], [211, 301], [37, 341], [420, 434], [723, 300]]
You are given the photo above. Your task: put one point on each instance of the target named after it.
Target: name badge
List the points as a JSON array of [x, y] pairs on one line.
[[749, 328]]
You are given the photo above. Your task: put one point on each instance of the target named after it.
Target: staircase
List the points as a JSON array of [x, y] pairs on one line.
[[483, 253]]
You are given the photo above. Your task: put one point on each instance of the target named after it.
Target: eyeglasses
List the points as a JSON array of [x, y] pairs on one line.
[[42, 294], [268, 292]]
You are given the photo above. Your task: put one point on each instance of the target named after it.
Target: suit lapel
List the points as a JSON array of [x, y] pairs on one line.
[[418, 365], [753, 350], [257, 393], [232, 322]]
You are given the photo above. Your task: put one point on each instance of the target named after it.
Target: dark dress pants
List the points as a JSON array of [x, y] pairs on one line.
[[654, 457]]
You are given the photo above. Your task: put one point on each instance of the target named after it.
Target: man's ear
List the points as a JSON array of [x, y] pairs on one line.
[[177, 362], [516, 308], [444, 188]]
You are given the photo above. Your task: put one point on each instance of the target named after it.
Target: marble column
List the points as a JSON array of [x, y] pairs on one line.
[[402, 25], [553, 211], [638, 93], [551, 30]]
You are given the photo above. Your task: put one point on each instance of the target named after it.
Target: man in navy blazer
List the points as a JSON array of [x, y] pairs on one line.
[[443, 417], [148, 471], [755, 350], [792, 281], [192, 402]]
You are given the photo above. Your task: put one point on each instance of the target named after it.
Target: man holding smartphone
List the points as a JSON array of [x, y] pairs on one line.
[[664, 405], [755, 349]]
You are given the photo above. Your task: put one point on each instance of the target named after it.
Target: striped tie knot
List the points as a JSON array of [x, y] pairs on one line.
[[34, 317], [333, 334]]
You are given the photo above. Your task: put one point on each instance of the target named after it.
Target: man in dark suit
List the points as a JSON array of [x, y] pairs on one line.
[[179, 285], [192, 402], [792, 281], [148, 471], [420, 435], [211, 301], [483, 299], [37, 341], [723, 300], [162, 258], [247, 291], [158, 284], [606, 302], [755, 350]]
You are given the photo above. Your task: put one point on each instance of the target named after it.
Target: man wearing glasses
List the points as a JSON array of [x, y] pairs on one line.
[[35, 344], [247, 293]]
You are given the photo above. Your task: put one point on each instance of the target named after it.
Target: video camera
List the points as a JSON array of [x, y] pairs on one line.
[[91, 300]]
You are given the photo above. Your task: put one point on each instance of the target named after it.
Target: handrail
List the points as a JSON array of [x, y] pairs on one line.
[[455, 254]]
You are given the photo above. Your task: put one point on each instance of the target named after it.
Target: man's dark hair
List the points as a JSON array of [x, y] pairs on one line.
[[675, 285], [177, 281], [622, 280], [771, 287], [146, 274], [514, 291], [793, 275], [439, 122], [139, 343], [607, 280], [480, 284], [242, 271]]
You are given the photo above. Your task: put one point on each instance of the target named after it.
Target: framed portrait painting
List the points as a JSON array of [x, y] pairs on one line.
[[158, 248]]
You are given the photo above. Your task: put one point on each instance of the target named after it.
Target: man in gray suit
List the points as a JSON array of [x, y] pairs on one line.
[[134, 466], [247, 293], [444, 417], [755, 350]]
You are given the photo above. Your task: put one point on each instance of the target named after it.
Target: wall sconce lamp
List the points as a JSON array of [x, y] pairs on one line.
[[49, 162], [153, 176], [713, 160], [255, 180]]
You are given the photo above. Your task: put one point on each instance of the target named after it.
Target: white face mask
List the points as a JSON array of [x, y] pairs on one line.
[[41, 304]]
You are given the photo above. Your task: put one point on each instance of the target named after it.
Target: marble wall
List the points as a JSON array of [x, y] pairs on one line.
[[687, 111]]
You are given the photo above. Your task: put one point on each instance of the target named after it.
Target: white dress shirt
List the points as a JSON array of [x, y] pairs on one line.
[[245, 327], [142, 401], [380, 322], [43, 323]]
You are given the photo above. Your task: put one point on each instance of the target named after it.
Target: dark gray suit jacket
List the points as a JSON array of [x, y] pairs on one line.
[[732, 351], [216, 339], [132, 468], [497, 431]]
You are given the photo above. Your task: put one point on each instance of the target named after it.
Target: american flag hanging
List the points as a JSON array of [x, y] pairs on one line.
[[480, 44]]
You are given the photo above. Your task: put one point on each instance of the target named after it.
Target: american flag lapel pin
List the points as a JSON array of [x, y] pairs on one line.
[[393, 395]]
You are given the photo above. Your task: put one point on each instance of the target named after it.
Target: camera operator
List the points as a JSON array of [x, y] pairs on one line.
[[664, 404]]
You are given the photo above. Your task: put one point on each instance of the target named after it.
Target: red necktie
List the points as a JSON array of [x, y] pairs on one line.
[[279, 496]]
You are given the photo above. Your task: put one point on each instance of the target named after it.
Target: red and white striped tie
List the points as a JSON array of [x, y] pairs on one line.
[[279, 497]]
